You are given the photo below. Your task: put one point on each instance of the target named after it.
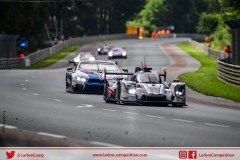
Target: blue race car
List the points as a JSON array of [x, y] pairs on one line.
[[87, 76]]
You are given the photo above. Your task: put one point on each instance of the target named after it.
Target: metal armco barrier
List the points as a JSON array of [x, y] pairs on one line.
[[198, 37], [44, 53], [207, 50], [226, 72], [11, 63], [229, 73]]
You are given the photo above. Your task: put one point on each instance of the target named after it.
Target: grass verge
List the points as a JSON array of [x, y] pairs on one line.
[[204, 80], [54, 58]]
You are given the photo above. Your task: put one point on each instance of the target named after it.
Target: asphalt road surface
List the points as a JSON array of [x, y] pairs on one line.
[[35, 109]]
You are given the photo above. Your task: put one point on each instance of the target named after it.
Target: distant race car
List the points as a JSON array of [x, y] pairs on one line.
[[145, 86], [104, 49], [117, 52], [86, 76]]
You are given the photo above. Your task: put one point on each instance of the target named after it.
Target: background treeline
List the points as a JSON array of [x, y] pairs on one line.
[[93, 17], [79, 17], [190, 16]]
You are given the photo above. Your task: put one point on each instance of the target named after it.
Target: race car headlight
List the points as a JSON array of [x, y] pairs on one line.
[[81, 79], [110, 54], [179, 93], [124, 53], [92, 59], [99, 49], [132, 91], [77, 59]]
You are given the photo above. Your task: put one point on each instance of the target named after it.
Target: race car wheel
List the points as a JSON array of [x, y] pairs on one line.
[[71, 88], [67, 87], [176, 105], [164, 104], [119, 94], [105, 97]]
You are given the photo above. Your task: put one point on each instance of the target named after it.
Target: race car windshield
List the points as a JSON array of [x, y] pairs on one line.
[[149, 78], [107, 66], [98, 67], [116, 50]]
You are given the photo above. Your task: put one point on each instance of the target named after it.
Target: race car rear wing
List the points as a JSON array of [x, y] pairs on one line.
[[105, 73]]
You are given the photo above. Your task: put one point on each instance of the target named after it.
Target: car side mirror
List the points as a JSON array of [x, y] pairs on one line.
[[69, 68], [125, 70]]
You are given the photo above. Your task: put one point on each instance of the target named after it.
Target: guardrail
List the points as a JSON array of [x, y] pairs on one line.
[[11, 63], [194, 36], [44, 53], [226, 72], [207, 50]]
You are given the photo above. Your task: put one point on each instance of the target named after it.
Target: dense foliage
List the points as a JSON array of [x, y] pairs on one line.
[[190, 16], [182, 14], [41, 20]]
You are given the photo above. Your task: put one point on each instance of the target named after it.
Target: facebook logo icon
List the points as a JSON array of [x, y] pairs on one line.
[[192, 154]]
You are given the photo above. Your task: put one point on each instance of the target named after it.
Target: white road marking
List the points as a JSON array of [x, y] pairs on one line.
[[26, 80], [58, 100], [131, 113], [154, 116], [22, 84], [104, 144], [7, 126], [217, 125], [109, 110], [24, 89], [35, 94], [51, 135], [85, 106], [183, 120]]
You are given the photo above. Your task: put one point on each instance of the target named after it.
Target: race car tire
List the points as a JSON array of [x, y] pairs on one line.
[[177, 105], [106, 99], [71, 88], [164, 104], [67, 87], [105, 94], [119, 94]]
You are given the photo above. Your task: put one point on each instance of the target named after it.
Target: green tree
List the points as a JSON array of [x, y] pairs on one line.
[[151, 16], [208, 23], [182, 14], [230, 9]]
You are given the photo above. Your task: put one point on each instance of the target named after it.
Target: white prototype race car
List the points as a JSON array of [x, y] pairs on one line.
[[145, 86]]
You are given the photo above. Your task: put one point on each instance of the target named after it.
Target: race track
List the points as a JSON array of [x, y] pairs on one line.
[[35, 109]]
